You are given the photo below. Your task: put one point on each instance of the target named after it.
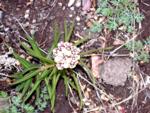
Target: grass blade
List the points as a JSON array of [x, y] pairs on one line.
[[34, 45], [37, 83], [78, 88], [26, 77], [66, 82], [26, 87], [53, 93], [24, 62], [88, 71], [55, 40], [68, 34], [48, 88]]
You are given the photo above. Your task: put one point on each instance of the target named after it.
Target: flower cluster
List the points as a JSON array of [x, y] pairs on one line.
[[66, 55]]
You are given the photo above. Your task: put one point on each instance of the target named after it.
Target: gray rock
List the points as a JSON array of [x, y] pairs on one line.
[[115, 71]]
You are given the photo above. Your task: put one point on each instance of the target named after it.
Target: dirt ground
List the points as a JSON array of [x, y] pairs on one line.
[[43, 15]]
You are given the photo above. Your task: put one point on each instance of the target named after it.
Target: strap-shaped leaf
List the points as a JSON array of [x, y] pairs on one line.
[[27, 76], [49, 88], [27, 85], [34, 45], [25, 71], [37, 89], [37, 83], [78, 88], [20, 87], [72, 84], [67, 34], [66, 83], [35, 86], [53, 93], [81, 41], [88, 71], [34, 54], [55, 40], [24, 62]]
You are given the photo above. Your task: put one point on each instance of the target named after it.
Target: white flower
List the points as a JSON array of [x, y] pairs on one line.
[[66, 55]]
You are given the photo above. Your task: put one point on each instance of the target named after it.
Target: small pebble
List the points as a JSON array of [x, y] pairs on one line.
[[27, 11], [32, 31], [6, 29], [78, 18], [63, 8], [96, 17], [84, 28], [72, 8], [87, 103], [26, 24], [78, 3], [71, 2], [60, 4], [33, 21], [78, 23], [22, 56], [27, 14], [70, 15]]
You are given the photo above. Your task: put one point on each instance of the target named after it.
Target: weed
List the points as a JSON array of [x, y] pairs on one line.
[[117, 13], [138, 50], [58, 64], [15, 104], [42, 101]]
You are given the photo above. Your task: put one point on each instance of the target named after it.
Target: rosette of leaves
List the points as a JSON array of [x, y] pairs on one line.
[[45, 72]]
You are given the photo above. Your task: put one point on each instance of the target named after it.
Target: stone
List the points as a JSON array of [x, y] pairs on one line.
[[72, 8], [60, 4], [115, 71], [71, 2], [78, 3], [78, 18]]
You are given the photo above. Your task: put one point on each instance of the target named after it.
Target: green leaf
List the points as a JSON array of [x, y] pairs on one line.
[[107, 12], [34, 45], [53, 92], [27, 85], [88, 71], [78, 88], [48, 88], [66, 82], [96, 27], [3, 94], [72, 84], [20, 87], [37, 83], [40, 57], [24, 62], [26, 77], [37, 89], [68, 33], [81, 41], [55, 40], [112, 25]]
